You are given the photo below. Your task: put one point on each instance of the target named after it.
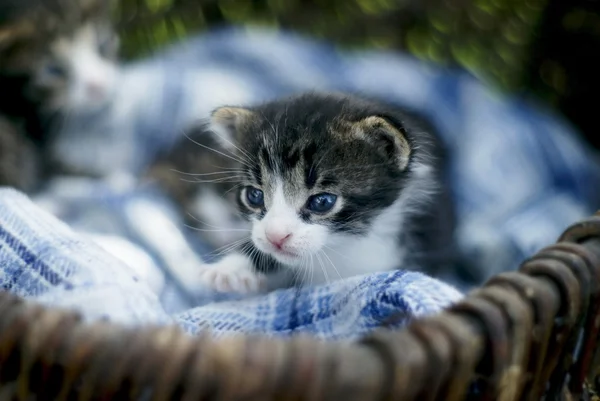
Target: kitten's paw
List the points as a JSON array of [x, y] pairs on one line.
[[233, 274]]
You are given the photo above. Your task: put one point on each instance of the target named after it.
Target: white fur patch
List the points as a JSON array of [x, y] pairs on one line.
[[346, 255], [233, 273], [218, 217], [163, 234]]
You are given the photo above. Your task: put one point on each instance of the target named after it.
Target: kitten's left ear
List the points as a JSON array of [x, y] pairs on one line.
[[226, 123], [386, 137], [12, 33], [93, 8]]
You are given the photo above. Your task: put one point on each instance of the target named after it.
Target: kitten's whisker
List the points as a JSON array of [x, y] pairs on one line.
[[323, 269], [229, 247], [239, 213], [217, 151], [245, 248], [225, 251], [231, 180], [296, 277], [338, 252], [210, 225], [249, 157], [299, 272], [312, 270], [216, 231], [236, 186], [307, 269], [196, 181], [219, 179], [227, 168], [237, 171], [332, 264], [216, 180], [248, 250], [262, 259]]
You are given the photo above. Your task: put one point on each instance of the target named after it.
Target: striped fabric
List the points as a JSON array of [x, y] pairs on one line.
[[519, 174]]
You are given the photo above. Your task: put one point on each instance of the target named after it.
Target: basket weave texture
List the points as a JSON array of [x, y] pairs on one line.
[[523, 335]]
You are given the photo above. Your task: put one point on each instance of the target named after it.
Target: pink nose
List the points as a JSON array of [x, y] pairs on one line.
[[278, 238], [95, 89]]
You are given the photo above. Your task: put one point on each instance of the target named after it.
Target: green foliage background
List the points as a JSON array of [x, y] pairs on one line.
[[489, 37]]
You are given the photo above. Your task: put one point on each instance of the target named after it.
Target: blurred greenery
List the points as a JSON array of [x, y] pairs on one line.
[[488, 37], [546, 48]]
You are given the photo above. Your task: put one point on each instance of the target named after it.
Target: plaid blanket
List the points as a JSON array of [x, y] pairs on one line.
[[519, 175], [43, 259]]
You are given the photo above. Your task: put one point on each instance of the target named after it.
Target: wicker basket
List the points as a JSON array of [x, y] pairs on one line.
[[522, 336]]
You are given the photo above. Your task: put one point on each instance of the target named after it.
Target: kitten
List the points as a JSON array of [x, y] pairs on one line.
[[332, 186], [56, 57]]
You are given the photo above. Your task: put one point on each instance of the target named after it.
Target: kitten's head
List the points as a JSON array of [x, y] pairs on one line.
[[64, 50], [318, 169]]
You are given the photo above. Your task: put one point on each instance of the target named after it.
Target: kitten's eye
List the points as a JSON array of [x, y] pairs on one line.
[[255, 197], [55, 71], [107, 47], [321, 203]]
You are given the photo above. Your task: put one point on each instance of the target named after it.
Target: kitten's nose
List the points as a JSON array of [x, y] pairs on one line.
[[278, 238], [95, 89]]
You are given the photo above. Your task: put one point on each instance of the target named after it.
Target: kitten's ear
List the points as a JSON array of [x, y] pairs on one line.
[[13, 33], [226, 122], [386, 137], [6, 37], [94, 8]]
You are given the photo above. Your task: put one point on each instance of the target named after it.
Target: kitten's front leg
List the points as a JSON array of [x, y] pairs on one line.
[[234, 273]]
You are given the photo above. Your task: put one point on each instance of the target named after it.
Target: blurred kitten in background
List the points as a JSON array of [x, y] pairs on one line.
[[197, 174], [57, 57]]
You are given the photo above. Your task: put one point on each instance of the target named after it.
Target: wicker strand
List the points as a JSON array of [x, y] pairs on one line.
[[543, 297], [521, 336], [592, 323], [520, 317]]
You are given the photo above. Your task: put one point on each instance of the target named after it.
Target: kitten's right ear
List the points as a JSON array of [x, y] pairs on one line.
[[386, 137], [226, 123]]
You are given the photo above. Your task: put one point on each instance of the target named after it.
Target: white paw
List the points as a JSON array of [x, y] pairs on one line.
[[233, 274]]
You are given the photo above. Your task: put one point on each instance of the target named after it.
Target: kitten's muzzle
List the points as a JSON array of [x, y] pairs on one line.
[[278, 239]]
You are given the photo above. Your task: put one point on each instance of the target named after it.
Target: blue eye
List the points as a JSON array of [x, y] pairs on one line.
[[321, 203], [106, 47], [55, 70], [255, 197]]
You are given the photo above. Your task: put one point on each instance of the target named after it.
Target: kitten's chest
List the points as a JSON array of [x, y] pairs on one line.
[[356, 257], [378, 251]]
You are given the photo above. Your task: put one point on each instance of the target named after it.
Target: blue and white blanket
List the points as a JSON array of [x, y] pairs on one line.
[[520, 176]]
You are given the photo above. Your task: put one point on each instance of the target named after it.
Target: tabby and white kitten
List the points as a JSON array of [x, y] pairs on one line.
[[332, 186], [57, 57]]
